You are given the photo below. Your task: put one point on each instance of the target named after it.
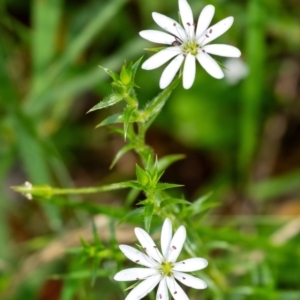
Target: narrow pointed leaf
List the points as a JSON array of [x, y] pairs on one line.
[[108, 101], [167, 160], [127, 115], [135, 185], [135, 67], [112, 74], [120, 153], [95, 268], [172, 201], [155, 105], [163, 186], [116, 118], [135, 212], [148, 213]]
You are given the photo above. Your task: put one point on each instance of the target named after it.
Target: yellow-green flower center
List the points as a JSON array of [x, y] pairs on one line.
[[167, 268], [190, 46]]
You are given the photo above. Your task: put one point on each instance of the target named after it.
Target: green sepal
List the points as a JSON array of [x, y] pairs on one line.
[[120, 153], [126, 74], [148, 213], [141, 175], [112, 74], [108, 101], [132, 286], [155, 49], [171, 201]]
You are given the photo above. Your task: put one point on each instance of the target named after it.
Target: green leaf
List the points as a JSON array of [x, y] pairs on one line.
[[164, 186], [135, 185], [112, 74], [131, 197], [108, 101], [148, 213], [167, 160], [95, 235], [172, 201], [116, 118], [95, 268], [135, 67], [143, 202], [135, 212], [120, 153], [141, 175], [46, 18], [200, 206], [127, 115], [155, 105]]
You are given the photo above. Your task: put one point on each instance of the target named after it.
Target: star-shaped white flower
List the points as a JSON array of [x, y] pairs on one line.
[[161, 267], [188, 43]]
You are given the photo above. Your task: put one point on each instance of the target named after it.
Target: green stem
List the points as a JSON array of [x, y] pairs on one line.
[[48, 191]]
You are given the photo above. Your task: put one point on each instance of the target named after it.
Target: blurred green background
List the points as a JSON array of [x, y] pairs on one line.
[[241, 138]]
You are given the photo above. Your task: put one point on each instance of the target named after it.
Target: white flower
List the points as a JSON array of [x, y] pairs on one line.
[[188, 43], [161, 267]]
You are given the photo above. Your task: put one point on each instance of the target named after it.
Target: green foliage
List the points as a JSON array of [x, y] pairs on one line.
[[241, 138]]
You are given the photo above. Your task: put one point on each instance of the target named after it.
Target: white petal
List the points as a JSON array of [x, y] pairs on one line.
[[160, 58], [190, 265], [148, 244], [210, 65], [166, 234], [176, 291], [137, 256], [177, 243], [135, 274], [156, 36], [165, 79], [216, 30], [191, 281], [144, 288], [169, 25], [205, 18], [222, 50], [187, 18], [162, 291], [189, 71]]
